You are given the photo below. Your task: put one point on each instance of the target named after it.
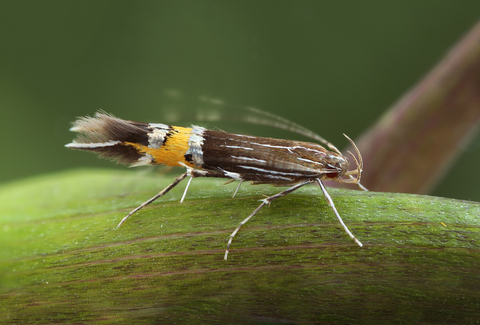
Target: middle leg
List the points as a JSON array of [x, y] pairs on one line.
[[267, 200]]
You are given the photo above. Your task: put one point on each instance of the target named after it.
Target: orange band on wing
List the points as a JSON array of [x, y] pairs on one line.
[[172, 152]]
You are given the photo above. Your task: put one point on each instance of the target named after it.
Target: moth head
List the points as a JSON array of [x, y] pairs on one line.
[[354, 175]]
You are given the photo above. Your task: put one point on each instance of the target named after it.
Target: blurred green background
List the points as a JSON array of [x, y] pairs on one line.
[[331, 66]]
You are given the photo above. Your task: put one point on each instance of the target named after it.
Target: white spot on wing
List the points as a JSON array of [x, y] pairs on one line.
[[273, 172], [310, 161], [81, 145], [249, 159], [156, 138], [232, 175], [160, 126], [143, 161], [195, 143], [237, 147], [270, 146]]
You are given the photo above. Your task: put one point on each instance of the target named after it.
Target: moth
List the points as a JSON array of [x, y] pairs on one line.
[[214, 153]]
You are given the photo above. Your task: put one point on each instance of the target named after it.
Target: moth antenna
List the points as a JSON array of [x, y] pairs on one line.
[[261, 117]]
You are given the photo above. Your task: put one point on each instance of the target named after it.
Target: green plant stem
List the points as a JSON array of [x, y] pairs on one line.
[[63, 259]]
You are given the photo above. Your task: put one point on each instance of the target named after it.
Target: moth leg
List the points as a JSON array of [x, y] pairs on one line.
[[160, 194], [238, 186], [363, 188], [235, 193], [359, 185], [186, 189], [229, 181], [267, 200], [332, 205]]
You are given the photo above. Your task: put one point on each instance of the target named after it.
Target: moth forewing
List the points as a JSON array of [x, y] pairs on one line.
[[208, 153]]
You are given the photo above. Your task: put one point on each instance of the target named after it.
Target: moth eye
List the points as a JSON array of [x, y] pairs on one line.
[[332, 175]]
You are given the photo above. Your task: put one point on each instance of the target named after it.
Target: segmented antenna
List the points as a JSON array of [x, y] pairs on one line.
[[261, 117]]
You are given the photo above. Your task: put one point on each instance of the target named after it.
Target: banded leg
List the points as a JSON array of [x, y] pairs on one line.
[[267, 200], [160, 194]]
